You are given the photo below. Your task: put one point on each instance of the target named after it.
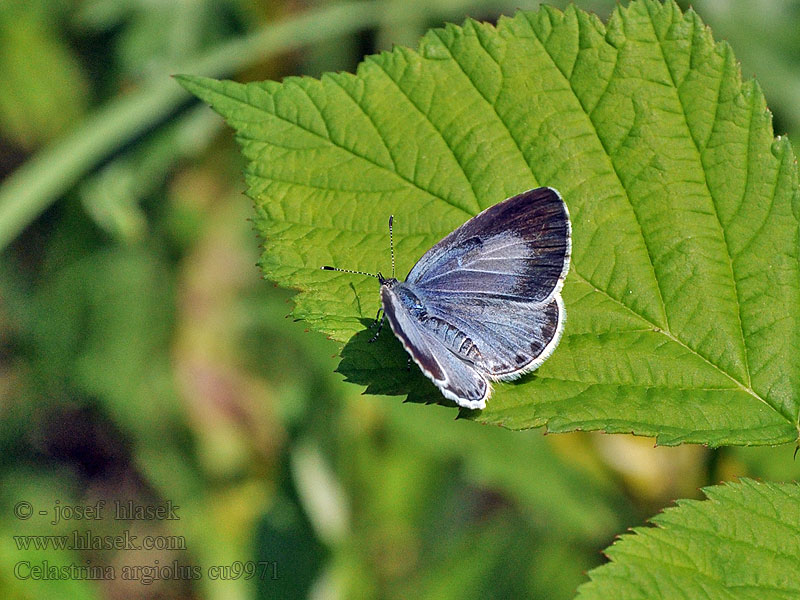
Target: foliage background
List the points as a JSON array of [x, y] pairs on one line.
[[142, 358]]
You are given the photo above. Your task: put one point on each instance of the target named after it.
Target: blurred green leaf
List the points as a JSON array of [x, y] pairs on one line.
[[43, 179], [683, 294], [482, 561], [101, 327], [286, 545], [152, 36], [581, 505], [739, 543], [112, 196], [44, 91]]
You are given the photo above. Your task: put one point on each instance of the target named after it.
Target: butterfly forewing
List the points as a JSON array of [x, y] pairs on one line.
[[517, 249], [457, 379]]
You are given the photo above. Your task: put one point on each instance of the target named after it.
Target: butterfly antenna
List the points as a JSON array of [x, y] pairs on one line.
[[327, 268], [391, 242]]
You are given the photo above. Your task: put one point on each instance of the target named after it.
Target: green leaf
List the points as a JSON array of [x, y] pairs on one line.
[[44, 90], [684, 290], [740, 543]]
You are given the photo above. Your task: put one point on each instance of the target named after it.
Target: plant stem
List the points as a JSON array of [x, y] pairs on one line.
[[35, 185]]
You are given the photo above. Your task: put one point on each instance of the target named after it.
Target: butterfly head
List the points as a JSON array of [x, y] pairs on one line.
[[387, 281]]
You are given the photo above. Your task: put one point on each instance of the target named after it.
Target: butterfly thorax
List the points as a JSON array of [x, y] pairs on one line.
[[406, 296]]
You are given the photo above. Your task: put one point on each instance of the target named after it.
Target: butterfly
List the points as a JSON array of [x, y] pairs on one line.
[[484, 304]]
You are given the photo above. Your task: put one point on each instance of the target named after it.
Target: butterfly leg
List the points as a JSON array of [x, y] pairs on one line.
[[379, 319]]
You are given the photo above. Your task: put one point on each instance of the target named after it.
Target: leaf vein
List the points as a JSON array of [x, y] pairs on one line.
[[435, 128], [714, 200], [363, 110], [346, 149], [678, 341]]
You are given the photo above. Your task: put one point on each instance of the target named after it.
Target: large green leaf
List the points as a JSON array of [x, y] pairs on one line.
[[742, 542], [683, 295]]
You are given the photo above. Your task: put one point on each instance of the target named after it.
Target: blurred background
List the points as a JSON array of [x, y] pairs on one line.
[[143, 359]]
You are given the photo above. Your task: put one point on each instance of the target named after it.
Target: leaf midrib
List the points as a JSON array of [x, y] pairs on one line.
[[665, 331], [705, 179]]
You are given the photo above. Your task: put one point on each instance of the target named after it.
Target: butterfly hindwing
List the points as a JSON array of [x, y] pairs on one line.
[[456, 378], [503, 338]]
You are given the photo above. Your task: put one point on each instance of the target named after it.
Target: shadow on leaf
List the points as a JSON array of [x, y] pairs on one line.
[[383, 367]]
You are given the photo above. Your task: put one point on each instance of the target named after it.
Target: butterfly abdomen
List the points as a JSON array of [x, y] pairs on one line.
[[454, 338]]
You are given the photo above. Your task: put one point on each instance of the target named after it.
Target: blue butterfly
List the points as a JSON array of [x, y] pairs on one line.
[[484, 304]]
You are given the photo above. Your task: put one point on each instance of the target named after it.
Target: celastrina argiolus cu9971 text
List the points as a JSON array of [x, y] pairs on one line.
[[484, 304]]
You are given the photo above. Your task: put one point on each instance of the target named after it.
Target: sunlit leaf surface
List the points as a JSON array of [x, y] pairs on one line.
[[683, 295]]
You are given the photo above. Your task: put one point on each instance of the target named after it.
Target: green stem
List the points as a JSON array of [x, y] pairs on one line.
[[28, 191]]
